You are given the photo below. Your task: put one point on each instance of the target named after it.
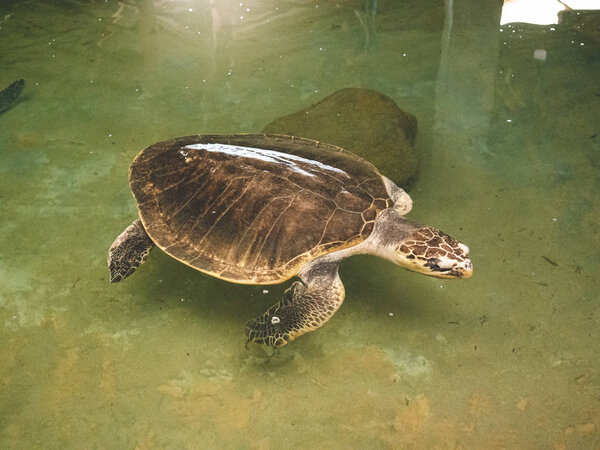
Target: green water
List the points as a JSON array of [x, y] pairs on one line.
[[510, 165]]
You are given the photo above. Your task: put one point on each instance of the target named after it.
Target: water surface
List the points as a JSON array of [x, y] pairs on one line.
[[510, 165]]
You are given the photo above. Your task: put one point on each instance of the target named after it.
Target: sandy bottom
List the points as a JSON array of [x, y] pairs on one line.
[[510, 165]]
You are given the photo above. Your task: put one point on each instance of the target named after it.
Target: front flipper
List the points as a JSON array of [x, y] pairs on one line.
[[128, 251], [402, 201], [304, 308]]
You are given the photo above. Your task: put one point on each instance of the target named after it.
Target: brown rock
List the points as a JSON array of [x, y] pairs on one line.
[[363, 121]]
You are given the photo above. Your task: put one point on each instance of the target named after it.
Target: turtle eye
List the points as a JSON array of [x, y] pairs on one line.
[[437, 265], [433, 264]]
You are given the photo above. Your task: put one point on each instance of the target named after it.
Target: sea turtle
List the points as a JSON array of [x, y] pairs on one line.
[[260, 209]]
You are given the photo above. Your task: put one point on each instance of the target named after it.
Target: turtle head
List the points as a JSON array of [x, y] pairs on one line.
[[430, 251]]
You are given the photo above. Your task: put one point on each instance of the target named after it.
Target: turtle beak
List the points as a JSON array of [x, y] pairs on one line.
[[467, 270], [467, 265]]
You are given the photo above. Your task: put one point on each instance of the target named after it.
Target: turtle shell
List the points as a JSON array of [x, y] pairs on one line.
[[253, 208]]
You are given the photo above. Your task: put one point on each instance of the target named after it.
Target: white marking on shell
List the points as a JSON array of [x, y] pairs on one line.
[[275, 320], [287, 160]]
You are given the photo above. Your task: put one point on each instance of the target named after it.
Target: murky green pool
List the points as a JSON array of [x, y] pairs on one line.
[[510, 164]]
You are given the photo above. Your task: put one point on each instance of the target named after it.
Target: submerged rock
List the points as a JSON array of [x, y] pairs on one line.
[[363, 121]]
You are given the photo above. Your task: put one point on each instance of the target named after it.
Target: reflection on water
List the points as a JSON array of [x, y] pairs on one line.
[[509, 163]]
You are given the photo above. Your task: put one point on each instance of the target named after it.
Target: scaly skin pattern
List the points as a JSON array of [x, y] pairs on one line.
[[301, 310], [433, 252], [128, 251]]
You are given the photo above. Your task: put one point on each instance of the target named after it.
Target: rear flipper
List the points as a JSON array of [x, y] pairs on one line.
[[128, 251]]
